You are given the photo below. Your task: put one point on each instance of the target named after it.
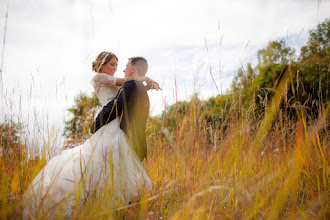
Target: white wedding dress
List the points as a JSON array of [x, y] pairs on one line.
[[104, 162]]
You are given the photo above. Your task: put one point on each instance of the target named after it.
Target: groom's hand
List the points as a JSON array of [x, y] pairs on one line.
[[153, 85]]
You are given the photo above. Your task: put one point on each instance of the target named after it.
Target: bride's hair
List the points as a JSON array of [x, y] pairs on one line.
[[102, 59]]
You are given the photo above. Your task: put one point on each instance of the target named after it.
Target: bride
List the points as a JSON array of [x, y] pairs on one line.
[[105, 165]]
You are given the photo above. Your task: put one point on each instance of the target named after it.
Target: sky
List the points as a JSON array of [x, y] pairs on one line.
[[191, 47]]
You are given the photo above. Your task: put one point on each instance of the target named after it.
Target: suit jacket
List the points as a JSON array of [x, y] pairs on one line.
[[131, 104]]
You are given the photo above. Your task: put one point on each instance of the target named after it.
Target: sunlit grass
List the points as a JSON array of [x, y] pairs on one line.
[[274, 167], [234, 180]]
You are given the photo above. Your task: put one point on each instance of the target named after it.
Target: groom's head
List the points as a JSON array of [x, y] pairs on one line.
[[136, 66]]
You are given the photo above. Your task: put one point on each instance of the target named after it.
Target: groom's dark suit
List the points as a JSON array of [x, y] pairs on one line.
[[131, 105]]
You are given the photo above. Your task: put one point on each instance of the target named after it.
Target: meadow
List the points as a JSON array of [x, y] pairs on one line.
[[272, 167]]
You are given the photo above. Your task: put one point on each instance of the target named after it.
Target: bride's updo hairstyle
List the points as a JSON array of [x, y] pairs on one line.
[[102, 59]]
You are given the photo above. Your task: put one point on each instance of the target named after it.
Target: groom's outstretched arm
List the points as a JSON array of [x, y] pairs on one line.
[[114, 108]]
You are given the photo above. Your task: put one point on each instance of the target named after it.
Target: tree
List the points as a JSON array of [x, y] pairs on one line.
[[273, 60], [255, 85], [218, 108], [309, 73], [83, 112], [275, 53], [314, 67], [318, 42], [243, 80], [11, 147]]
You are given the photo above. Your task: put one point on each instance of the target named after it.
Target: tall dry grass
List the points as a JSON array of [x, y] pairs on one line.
[[286, 175], [275, 167], [272, 168]]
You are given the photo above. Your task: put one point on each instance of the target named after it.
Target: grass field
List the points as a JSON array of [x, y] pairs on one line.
[[274, 167]]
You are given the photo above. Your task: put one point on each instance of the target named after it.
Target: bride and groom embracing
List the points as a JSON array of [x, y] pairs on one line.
[[109, 162]]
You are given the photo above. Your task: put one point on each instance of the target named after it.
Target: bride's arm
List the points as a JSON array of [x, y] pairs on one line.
[[109, 81], [151, 84], [121, 81], [103, 80]]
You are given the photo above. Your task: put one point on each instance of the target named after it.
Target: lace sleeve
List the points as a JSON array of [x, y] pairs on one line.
[[102, 79]]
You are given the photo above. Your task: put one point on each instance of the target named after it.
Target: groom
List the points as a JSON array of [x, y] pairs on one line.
[[131, 105]]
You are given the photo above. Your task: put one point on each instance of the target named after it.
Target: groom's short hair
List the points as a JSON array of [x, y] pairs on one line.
[[141, 65]]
